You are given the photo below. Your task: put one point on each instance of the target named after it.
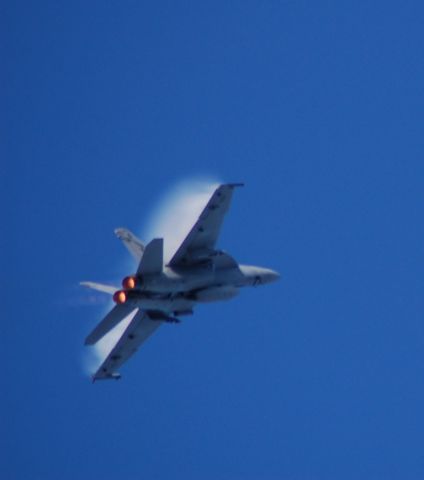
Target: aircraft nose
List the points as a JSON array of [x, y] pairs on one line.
[[270, 276]]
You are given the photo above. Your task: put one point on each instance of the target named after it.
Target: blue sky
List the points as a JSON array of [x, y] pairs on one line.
[[318, 107]]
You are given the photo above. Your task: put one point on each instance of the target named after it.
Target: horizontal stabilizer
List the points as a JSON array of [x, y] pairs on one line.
[[152, 260], [115, 316], [100, 287], [133, 244]]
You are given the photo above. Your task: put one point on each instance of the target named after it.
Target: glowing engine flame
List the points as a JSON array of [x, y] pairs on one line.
[[120, 297], [172, 220], [129, 283]]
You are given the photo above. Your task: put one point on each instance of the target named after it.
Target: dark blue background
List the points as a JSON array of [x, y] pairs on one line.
[[318, 107]]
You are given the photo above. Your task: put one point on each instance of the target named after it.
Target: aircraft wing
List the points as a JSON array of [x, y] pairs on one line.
[[138, 330], [202, 237], [115, 316]]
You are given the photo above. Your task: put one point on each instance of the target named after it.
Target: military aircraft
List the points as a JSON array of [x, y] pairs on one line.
[[158, 293]]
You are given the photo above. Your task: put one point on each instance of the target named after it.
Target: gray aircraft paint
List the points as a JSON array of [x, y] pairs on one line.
[[197, 273]]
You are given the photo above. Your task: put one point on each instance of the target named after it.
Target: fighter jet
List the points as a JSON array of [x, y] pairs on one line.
[[157, 293]]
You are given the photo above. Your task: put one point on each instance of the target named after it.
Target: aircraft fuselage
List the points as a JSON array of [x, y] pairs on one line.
[[197, 272], [184, 280], [179, 290]]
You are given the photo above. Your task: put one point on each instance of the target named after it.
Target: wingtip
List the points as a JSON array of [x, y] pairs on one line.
[[108, 376], [85, 284]]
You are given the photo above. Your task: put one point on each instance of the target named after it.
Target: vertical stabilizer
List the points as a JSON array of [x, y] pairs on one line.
[[152, 260], [134, 245]]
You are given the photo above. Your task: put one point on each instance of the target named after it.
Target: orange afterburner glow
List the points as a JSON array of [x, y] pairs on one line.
[[129, 283], [120, 297]]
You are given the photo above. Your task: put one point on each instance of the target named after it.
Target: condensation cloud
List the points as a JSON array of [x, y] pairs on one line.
[[171, 220], [177, 212], [95, 355]]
